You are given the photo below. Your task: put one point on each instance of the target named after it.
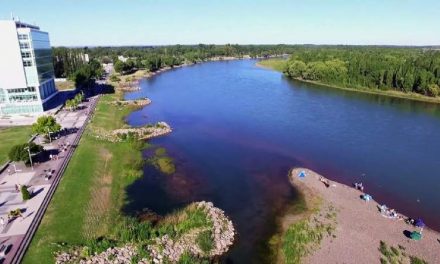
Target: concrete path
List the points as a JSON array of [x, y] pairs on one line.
[[41, 181]]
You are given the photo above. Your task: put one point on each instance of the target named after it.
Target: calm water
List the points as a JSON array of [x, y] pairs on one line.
[[239, 128]]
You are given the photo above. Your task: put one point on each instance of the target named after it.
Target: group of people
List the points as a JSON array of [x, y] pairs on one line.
[[63, 147], [389, 213], [53, 157], [359, 186]]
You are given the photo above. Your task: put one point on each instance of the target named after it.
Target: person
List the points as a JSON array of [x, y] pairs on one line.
[[2, 222]]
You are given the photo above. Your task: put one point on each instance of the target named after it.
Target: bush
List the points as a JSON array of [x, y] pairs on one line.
[[416, 260], [433, 90], [114, 78], [205, 241], [25, 194]]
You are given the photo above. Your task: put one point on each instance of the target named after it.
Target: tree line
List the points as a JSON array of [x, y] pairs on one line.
[[405, 69], [387, 68], [67, 61]]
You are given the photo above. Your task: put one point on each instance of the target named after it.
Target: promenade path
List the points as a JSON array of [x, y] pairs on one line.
[[17, 233]]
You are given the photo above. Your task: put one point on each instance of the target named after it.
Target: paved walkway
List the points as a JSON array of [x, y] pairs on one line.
[[39, 180]]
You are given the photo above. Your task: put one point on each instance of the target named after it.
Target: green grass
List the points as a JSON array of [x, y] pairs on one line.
[[274, 64], [205, 241], [184, 220], [392, 255], [10, 137], [85, 210], [299, 239], [87, 201], [416, 260]]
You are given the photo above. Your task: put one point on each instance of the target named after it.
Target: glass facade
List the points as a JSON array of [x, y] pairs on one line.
[[43, 55], [36, 56], [21, 109]]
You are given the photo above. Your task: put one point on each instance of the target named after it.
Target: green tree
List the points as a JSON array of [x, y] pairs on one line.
[[119, 66], [20, 152], [296, 69], [46, 124]]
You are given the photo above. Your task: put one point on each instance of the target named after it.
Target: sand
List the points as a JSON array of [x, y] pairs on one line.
[[359, 226]]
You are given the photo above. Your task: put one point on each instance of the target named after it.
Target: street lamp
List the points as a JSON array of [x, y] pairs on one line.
[[30, 157], [48, 132]]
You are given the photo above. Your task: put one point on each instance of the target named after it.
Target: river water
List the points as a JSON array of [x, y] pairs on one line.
[[239, 128]]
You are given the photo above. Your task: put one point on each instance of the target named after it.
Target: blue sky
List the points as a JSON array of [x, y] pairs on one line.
[[149, 22]]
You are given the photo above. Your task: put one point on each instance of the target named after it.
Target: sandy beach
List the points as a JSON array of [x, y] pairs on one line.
[[359, 226]]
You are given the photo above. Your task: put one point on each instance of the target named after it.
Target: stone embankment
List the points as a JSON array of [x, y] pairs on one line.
[[129, 86], [147, 132], [138, 102], [166, 250], [116, 255]]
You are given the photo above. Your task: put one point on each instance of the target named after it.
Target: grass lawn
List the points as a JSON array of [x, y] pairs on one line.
[[87, 201], [274, 64], [63, 86], [12, 136]]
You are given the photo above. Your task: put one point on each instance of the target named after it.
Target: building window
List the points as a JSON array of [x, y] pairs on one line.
[[26, 54], [23, 36], [24, 45], [27, 63]]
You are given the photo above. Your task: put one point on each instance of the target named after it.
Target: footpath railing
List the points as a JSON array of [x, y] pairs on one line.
[[40, 213]]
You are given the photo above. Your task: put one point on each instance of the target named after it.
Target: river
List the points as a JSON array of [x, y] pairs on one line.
[[239, 128]]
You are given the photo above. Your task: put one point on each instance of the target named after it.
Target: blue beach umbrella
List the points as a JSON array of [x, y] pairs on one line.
[[302, 174]]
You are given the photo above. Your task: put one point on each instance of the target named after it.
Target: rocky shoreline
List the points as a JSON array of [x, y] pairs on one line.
[[146, 132], [164, 249]]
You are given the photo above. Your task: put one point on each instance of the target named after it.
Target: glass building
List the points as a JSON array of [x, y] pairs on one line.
[[26, 69]]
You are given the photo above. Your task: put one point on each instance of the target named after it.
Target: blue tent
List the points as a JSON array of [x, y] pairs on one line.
[[302, 174], [419, 223]]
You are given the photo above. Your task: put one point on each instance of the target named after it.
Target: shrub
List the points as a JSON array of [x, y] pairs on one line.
[[433, 90], [114, 78], [25, 194], [205, 241], [416, 260]]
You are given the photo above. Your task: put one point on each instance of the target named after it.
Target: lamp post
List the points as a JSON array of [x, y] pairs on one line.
[[48, 132], [30, 156]]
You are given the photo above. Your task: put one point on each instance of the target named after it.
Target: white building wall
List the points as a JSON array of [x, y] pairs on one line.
[[12, 73]]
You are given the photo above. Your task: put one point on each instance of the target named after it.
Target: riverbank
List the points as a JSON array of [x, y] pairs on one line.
[[277, 65], [87, 202], [84, 219], [354, 230], [130, 82]]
